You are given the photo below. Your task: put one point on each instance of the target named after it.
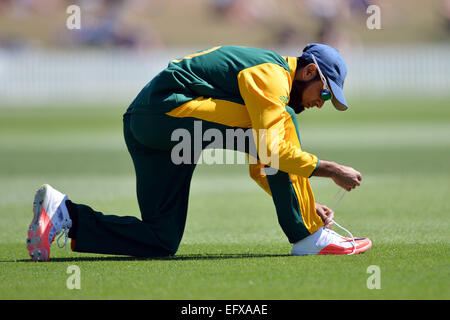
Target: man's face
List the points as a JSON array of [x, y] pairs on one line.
[[306, 95]]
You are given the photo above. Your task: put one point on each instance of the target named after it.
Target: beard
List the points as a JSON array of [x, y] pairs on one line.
[[296, 95]]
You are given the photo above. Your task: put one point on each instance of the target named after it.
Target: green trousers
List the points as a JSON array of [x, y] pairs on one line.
[[163, 193]]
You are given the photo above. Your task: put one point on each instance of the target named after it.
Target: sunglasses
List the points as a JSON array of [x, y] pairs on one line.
[[325, 94]]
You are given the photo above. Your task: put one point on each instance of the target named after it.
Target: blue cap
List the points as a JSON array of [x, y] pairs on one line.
[[333, 68]]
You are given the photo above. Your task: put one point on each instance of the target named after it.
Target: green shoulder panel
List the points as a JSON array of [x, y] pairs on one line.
[[209, 73]]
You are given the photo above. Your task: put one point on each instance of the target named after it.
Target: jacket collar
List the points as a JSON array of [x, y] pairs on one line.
[[292, 62]]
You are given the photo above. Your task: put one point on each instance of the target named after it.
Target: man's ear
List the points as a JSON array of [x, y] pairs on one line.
[[309, 72]]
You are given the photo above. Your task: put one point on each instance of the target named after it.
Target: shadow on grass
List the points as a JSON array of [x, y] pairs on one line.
[[165, 258]]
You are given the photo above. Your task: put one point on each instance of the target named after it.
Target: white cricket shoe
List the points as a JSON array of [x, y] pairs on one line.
[[51, 218], [326, 241]]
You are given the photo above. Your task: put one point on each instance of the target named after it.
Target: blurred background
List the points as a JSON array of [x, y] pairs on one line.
[[63, 92], [122, 44]]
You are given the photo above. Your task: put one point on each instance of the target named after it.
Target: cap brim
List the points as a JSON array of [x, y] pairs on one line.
[[338, 98]]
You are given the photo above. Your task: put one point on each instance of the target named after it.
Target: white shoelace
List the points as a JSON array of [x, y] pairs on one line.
[[337, 224], [66, 225], [65, 232]]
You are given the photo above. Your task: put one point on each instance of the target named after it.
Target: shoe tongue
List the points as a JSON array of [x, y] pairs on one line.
[[330, 237]]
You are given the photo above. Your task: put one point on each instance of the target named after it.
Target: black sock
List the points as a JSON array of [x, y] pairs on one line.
[[73, 214]]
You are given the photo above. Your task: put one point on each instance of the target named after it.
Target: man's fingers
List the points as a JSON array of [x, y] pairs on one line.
[[330, 215], [328, 218], [320, 213], [329, 225], [329, 222]]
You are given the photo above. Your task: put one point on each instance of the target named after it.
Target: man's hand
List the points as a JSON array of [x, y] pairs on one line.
[[326, 214], [345, 177]]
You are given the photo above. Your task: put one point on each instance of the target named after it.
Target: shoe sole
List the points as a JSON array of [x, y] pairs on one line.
[[337, 251], [332, 250], [34, 238]]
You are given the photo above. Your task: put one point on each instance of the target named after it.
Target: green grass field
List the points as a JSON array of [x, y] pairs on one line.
[[233, 247]]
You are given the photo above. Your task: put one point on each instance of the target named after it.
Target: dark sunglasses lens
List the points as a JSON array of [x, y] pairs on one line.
[[325, 95]]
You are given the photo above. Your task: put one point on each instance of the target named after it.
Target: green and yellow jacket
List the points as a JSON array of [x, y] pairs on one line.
[[234, 86]]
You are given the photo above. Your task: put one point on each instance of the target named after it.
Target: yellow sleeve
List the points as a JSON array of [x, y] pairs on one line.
[[264, 89]]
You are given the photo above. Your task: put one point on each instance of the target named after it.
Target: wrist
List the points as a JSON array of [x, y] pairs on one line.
[[328, 169], [337, 170]]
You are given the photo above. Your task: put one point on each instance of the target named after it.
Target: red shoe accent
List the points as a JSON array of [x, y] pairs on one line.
[[362, 244], [38, 244]]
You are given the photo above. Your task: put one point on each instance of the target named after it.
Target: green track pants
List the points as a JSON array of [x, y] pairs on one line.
[[163, 192]]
